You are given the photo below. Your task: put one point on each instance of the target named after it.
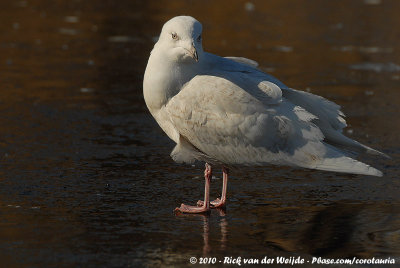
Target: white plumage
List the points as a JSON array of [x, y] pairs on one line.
[[225, 111]]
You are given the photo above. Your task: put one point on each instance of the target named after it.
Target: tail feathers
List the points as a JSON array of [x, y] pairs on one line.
[[347, 165], [335, 160]]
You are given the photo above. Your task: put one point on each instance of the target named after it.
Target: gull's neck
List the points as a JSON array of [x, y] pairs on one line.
[[163, 79]]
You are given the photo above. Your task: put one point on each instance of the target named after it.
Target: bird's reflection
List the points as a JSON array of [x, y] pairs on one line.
[[206, 234], [338, 230], [224, 231], [223, 224], [206, 230]]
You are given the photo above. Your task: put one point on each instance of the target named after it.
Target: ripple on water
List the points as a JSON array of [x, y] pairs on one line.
[[376, 67]]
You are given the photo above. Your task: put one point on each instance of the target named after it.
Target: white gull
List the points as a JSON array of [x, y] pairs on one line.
[[226, 112]]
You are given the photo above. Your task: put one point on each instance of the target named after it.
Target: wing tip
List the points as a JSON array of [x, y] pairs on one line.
[[377, 153]]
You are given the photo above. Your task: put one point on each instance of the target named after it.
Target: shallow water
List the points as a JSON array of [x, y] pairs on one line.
[[85, 173]]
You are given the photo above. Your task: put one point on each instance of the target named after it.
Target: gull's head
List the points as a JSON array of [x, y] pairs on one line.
[[180, 39]]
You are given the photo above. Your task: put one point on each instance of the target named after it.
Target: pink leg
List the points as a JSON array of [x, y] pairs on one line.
[[218, 203], [206, 203]]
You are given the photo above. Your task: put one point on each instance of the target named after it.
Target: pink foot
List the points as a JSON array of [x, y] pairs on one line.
[[205, 208], [217, 203], [192, 209]]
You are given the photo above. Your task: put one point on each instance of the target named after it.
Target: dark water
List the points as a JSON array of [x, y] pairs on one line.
[[85, 173]]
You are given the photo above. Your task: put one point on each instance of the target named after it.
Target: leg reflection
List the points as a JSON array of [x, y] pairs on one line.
[[206, 230], [224, 231], [223, 224], [206, 234]]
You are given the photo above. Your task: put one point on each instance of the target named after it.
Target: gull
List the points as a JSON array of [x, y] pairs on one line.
[[226, 112]]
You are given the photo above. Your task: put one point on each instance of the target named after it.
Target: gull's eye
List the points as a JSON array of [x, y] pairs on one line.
[[199, 39], [174, 35]]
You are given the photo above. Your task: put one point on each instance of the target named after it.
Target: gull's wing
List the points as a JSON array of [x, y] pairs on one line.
[[329, 117], [243, 60], [219, 121], [234, 66]]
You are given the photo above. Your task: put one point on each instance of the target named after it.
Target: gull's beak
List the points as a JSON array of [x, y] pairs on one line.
[[195, 56], [193, 52]]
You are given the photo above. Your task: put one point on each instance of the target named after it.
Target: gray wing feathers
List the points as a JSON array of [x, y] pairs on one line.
[[220, 122], [329, 119], [328, 113], [243, 60]]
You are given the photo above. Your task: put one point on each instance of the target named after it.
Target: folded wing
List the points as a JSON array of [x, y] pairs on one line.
[[218, 121], [329, 117]]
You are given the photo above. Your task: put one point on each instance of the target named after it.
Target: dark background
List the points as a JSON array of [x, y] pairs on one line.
[[85, 173]]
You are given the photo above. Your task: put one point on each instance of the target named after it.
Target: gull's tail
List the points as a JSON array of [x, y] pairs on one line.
[[347, 165], [338, 162]]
